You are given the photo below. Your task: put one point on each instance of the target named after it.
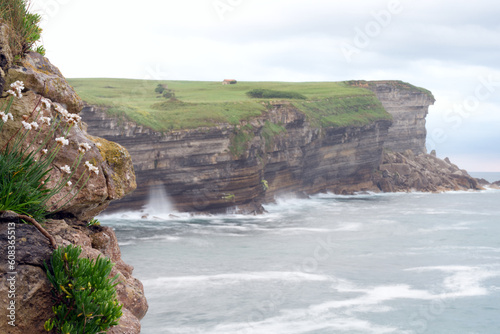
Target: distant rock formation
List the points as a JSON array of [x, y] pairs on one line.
[[407, 171]]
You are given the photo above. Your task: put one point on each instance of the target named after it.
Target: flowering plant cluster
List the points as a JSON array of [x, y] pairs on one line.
[[27, 157]]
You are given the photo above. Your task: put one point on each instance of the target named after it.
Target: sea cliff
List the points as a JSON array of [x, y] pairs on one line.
[[283, 151]]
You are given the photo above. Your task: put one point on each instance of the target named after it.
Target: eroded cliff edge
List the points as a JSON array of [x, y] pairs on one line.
[[238, 168]]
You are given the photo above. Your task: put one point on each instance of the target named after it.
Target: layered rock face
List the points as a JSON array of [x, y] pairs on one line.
[[408, 107], [312, 160], [201, 170]]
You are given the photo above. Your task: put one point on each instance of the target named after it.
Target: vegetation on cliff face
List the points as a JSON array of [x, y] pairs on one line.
[[394, 83], [24, 32], [85, 295], [202, 103], [339, 112], [274, 94]]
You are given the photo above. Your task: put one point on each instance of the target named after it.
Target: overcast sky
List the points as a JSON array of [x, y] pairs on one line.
[[449, 47]]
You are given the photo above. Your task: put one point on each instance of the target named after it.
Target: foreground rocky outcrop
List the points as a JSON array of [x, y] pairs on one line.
[[209, 169], [407, 171], [114, 179], [33, 298], [116, 174]]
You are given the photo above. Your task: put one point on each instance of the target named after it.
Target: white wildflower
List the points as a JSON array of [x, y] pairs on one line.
[[46, 103], [13, 93], [5, 117], [26, 125], [98, 144], [17, 88], [69, 183], [34, 125], [62, 141], [45, 120], [84, 147], [92, 168], [18, 85], [61, 110], [72, 119], [45, 151], [66, 169]]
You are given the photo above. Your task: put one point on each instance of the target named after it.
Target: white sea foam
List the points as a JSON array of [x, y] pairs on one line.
[[126, 243], [160, 237], [233, 278], [299, 321], [297, 230], [349, 227], [447, 227], [298, 324], [464, 281]]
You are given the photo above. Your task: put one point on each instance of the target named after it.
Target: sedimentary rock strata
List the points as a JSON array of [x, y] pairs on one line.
[[200, 170]]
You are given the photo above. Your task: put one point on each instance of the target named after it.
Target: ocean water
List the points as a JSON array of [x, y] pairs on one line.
[[374, 263], [488, 176]]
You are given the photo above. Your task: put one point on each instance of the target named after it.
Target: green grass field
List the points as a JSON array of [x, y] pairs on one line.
[[203, 103]]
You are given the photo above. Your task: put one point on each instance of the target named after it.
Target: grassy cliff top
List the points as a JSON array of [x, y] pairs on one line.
[[203, 103]]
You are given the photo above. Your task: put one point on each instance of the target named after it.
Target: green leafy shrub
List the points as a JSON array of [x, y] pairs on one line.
[[85, 296], [94, 222], [160, 89], [228, 197], [274, 94], [25, 32], [165, 92], [168, 94]]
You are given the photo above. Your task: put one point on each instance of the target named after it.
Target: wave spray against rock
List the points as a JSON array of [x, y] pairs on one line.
[[158, 202]]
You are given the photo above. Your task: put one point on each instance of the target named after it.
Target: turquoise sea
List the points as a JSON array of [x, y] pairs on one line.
[[373, 263]]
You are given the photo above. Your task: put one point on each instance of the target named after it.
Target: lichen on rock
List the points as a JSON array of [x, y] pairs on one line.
[[42, 77]]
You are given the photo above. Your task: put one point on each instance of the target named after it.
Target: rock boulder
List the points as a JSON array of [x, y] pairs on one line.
[[405, 171]]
